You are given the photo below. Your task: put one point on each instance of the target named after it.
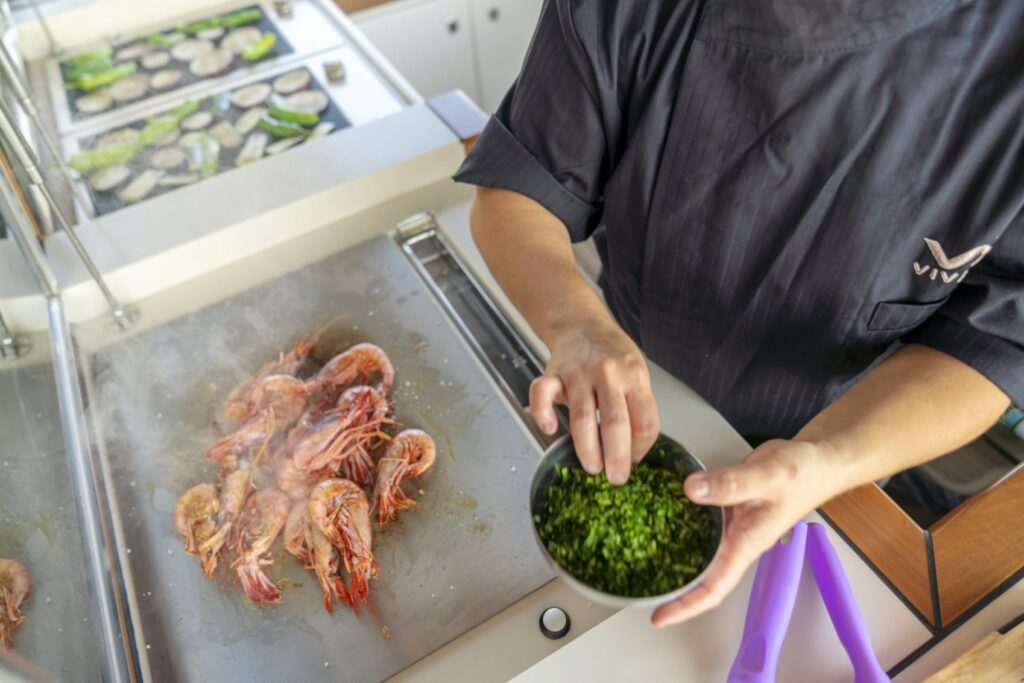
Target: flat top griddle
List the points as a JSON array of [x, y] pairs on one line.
[[464, 554], [39, 528]]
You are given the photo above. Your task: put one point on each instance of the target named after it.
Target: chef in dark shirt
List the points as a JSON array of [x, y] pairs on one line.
[[812, 213]]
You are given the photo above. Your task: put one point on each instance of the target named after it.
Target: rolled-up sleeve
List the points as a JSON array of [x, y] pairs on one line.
[[549, 138], [982, 323]]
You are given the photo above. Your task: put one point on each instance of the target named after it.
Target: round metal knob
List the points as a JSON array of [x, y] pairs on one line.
[[554, 623], [452, 24], [494, 14]]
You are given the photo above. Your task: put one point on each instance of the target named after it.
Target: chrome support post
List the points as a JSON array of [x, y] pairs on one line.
[[46, 27], [123, 317], [10, 71]]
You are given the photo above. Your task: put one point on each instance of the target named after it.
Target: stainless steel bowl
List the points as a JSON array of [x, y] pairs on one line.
[[677, 459]]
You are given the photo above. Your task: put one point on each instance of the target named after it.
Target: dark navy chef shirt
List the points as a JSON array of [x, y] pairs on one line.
[[783, 190]]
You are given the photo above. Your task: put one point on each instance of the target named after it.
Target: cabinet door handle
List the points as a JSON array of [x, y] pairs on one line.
[[494, 14], [452, 24]]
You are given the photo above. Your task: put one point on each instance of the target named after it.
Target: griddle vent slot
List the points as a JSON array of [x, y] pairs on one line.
[[495, 341]]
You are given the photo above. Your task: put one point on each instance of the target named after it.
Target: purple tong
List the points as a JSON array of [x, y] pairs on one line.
[[771, 606]]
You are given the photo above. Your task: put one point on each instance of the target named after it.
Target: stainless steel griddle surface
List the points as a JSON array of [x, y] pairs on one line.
[[38, 528], [463, 555]]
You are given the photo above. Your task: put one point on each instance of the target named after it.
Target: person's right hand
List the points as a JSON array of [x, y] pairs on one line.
[[595, 367]]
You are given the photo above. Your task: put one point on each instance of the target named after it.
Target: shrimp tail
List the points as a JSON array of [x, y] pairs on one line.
[[392, 502], [257, 586], [340, 590], [332, 585], [325, 586], [10, 617], [358, 591], [209, 550], [391, 499]]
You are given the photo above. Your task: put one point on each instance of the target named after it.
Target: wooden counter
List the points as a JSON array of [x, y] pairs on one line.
[[351, 6]]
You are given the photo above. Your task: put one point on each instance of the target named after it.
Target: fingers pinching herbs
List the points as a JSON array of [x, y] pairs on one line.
[[597, 370], [545, 392], [616, 434], [643, 420], [583, 424]]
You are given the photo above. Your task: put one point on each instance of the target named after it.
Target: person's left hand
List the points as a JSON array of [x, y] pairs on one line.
[[774, 487]]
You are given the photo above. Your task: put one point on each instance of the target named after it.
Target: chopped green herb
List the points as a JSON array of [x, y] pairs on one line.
[[638, 540]]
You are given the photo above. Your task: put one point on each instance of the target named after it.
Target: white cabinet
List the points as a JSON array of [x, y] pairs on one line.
[[439, 45], [502, 29], [429, 41]]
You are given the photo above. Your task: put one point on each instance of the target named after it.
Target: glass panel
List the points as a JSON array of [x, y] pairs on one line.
[[38, 523], [930, 491]]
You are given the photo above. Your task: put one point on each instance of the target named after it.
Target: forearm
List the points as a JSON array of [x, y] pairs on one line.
[[916, 405], [528, 251]]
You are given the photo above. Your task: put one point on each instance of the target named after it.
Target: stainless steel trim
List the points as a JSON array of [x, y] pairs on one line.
[[422, 228], [45, 26]]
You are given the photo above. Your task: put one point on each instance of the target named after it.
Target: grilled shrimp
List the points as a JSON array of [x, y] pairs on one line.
[[306, 542], [344, 433], [233, 493], [411, 453], [298, 483], [262, 519], [14, 587], [195, 518], [283, 399], [239, 404], [358, 365], [340, 510]]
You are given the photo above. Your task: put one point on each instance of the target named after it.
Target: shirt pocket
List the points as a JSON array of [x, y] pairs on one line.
[[896, 315]]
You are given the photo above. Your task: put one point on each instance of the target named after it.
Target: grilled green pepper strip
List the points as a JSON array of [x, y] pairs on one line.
[[91, 81], [97, 65], [184, 109], [160, 40], [210, 158], [165, 123], [246, 16], [157, 126], [281, 129], [79, 60], [303, 118], [86, 162], [201, 25], [260, 48]]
